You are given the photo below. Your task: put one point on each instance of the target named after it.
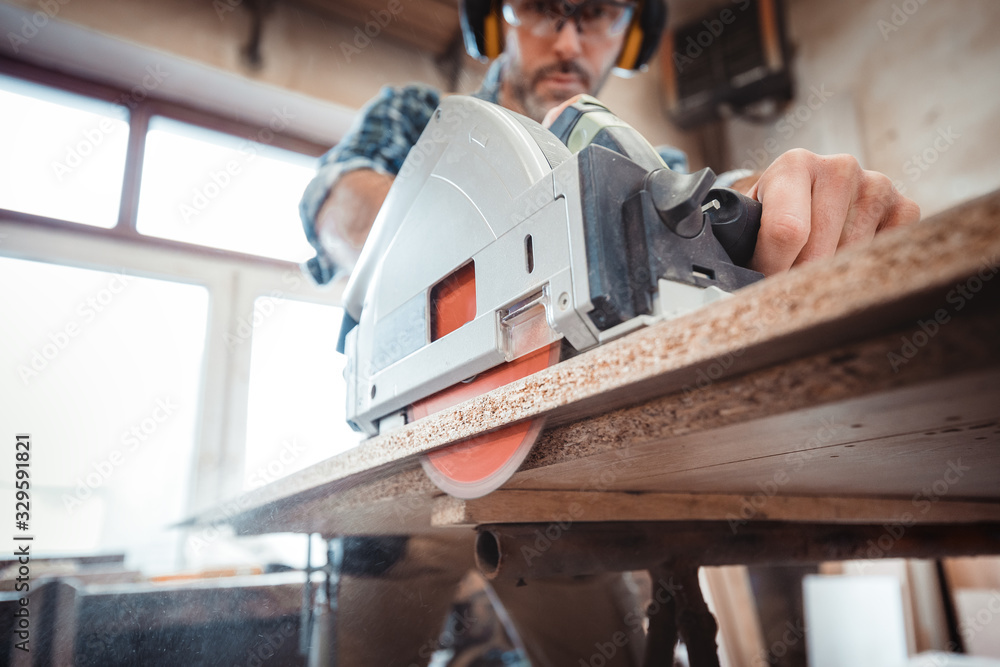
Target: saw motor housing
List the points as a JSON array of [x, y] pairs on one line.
[[496, 240]]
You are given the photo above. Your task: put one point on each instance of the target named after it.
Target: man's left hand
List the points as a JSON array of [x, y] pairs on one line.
[[817, 204]]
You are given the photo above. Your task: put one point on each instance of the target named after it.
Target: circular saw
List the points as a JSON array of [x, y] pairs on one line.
[[498, 245]]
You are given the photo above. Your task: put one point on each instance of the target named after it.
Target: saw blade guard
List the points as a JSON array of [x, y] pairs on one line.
[[473, 204]]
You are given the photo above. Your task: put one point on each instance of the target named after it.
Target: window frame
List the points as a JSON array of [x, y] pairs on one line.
[[234, 280]]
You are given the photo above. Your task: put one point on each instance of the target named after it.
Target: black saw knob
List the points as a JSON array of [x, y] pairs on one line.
[[678, 199], [735, 220]]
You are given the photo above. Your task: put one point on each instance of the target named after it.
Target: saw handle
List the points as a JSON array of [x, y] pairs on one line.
[[735, 220], [587, 121], [564, 123]]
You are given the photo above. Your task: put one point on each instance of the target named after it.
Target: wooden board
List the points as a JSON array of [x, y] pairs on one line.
[[612, 506], [831, 380]]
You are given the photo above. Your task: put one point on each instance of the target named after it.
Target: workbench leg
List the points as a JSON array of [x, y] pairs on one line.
[[697, 625], [319, 630], [661, 638]]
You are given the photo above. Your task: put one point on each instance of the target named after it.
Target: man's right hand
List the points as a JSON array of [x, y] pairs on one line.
[[553, 113], [346, 217]]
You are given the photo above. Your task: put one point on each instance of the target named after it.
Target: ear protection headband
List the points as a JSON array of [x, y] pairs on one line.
[[483, 33]]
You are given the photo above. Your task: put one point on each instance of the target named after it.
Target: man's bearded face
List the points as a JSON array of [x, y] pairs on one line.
[[543, 72]]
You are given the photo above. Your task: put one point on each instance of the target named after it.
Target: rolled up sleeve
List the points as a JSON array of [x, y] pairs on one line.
[[380, 139]]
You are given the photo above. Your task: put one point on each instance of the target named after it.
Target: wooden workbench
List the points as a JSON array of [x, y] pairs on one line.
[[862, 389]]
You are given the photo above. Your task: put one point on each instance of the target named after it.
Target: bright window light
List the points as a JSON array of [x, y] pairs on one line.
[[63, 155], [296, 414], [103, 370], [222, 191]]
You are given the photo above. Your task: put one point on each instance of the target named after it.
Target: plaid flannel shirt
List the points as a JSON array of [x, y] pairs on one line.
[[380, 138]]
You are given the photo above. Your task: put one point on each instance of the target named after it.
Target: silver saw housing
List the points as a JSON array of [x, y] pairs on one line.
[[562, 245]]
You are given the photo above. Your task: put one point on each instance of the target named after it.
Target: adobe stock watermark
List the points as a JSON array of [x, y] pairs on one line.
[[920, 163], [221, 178], [793, 634], [223, 7], [220, 528], [922, 503], [264, 474], [32, 25], [463, 622], [278, 466], [137, 435], [969, 627], [751, 505], [373, 27], [453, 114], [539, 197], [93, 137], [787, 126], [268, 646], [900, 14], [983, 619], [715, 370], [263, 309], [87, 311], [545, 538], [695, 46], [605, 651], [958, 297], [553, 531]]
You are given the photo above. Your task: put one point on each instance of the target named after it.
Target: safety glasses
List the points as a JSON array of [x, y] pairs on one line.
[[594, 19]]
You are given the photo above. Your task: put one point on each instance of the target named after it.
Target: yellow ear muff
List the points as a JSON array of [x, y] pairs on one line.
[[492, 36], [630, 49]]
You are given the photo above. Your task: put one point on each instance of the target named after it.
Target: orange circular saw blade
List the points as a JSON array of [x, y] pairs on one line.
[[476, 466]]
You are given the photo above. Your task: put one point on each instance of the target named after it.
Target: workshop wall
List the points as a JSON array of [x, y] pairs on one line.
[[300, 52], [907, 86], [316, 56]]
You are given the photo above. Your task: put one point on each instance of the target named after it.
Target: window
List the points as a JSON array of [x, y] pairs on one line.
[[121, 360], [108, 370], [63, 154], [222, 191], [296, 406]]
